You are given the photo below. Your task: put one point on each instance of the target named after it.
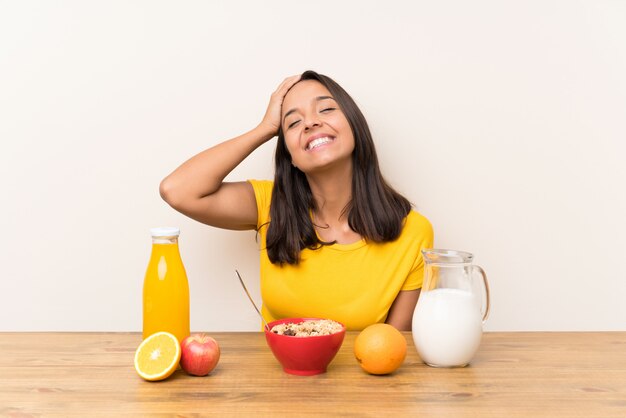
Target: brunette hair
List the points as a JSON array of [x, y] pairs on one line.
[[376, 211]]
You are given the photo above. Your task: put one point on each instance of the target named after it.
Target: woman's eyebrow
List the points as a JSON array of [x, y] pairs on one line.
[[288, 113], [318, 98]]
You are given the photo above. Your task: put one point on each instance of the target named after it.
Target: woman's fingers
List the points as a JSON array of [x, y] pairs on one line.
[[272, 115], [287, 83]]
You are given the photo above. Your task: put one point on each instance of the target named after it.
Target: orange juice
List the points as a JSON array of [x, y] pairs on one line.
[[165, 287]]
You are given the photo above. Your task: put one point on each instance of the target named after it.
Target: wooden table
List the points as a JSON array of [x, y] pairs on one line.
[[512, 375]]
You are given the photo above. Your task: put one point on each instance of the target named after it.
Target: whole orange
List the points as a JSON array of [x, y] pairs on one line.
[[380, 349]]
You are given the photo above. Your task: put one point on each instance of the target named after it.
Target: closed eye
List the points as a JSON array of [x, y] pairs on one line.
[[325, 110]]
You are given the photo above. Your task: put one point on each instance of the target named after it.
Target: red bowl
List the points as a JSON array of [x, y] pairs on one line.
[[304, 356]]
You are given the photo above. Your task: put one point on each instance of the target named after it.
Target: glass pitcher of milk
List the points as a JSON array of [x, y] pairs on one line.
[[452, 308]]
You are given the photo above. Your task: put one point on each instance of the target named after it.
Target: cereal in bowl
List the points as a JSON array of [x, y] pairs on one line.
[[308, 328]]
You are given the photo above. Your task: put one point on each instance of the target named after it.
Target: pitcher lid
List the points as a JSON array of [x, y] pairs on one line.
[[434, 255]]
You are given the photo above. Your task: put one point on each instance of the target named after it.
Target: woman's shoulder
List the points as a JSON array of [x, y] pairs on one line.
[[261, 183], [418, 223], [263, 195], [262, 186], [415, 216]]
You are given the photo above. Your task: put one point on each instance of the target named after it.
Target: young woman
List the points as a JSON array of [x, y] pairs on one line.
[[336, 240]]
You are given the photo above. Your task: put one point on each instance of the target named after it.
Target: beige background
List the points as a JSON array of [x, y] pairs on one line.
[[504, 122]]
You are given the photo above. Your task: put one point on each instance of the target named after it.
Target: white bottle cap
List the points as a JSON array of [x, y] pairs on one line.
[[165, 231]]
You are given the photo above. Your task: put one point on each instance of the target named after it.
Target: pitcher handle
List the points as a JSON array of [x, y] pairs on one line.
[[484, 276]]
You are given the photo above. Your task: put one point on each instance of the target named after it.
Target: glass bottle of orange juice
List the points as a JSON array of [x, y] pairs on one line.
[[165, 287]]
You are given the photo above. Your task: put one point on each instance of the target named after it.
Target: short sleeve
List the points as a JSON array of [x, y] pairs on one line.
[[422, 230], [263, 195]]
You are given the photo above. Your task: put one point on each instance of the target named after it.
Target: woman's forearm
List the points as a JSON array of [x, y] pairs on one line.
[[203, 174]]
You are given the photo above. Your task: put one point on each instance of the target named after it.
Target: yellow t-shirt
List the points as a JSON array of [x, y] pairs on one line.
[[351, 283]]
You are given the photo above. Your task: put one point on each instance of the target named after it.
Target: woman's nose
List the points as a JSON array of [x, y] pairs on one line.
[[311, 122]]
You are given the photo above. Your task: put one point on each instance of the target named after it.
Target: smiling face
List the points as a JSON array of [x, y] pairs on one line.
[[317, 133]]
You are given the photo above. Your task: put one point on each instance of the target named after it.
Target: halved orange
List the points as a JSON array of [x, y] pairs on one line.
[[157, 356]]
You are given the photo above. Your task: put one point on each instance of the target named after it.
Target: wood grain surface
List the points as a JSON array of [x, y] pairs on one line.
[[512, 375]]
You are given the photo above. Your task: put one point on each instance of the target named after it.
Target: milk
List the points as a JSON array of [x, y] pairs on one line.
[[447, 327]]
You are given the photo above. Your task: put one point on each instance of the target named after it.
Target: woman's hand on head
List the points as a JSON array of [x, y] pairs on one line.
[[273, 112]]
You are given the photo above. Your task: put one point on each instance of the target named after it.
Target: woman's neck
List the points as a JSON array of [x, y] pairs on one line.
[[332, 191]]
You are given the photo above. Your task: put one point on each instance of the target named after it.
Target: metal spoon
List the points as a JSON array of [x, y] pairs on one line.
[[250, 297]]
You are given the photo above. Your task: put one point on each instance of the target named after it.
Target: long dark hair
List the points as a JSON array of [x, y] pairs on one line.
[[376, 211]]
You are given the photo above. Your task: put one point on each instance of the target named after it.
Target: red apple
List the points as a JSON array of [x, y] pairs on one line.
[[199, 354]]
